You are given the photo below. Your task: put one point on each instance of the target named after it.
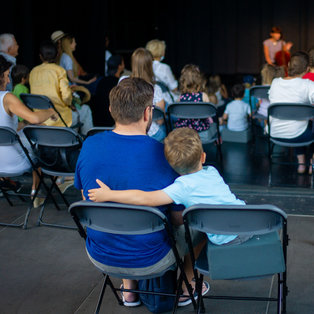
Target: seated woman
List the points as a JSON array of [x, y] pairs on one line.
[[192, 86], [72, 67], [294, 89], [13, 159]]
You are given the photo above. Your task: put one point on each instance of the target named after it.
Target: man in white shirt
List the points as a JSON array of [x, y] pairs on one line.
[[293, 89]]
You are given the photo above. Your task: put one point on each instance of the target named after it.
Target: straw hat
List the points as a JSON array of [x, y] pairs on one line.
[[55, 36], [79, 88]]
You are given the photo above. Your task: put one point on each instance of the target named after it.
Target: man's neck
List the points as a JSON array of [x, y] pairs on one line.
[[130, 129]]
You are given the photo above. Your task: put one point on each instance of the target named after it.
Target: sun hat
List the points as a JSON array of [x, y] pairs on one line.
[[55, 36]]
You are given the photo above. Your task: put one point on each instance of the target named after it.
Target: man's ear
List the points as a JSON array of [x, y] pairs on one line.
[[109, 108], [147, 113]]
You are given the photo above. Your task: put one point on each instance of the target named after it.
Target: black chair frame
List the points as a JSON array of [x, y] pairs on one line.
[[240, 222], [287, 111], [131, 220], [61, 139]]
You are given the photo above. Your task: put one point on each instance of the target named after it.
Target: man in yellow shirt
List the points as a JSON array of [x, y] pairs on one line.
[[50, 79]]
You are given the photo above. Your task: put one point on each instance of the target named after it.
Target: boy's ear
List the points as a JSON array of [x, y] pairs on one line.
[[203, 158]]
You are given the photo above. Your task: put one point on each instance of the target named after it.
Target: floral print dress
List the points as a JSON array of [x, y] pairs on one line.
[[197, 124]]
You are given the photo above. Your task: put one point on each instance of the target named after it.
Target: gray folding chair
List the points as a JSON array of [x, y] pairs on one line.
[[8, 137], [158, 114], [260, 92], [293, 112], [265, 254], [125, 219], [56, 149], [98, 129], [193, 110], [34, 101]]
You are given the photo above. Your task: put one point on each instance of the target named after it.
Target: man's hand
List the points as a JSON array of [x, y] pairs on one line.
[[101, 194]]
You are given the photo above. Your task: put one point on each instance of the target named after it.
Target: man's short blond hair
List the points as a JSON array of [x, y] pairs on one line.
[[183, 150], [156, 47]]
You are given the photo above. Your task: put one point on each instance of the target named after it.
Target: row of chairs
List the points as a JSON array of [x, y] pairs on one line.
[[264, 255]]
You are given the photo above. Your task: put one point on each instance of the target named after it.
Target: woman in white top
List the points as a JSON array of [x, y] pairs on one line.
[[293, 89], [12, 158], [142, 67]]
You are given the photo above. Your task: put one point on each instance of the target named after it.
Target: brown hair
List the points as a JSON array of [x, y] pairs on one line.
[[311, 56], [142, 65], [191, 79], [183, 150], [298, 64], [129, 99]]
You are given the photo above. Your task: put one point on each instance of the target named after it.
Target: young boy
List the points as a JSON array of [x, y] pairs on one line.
[[196, 185], [237, 111], [20, 75]]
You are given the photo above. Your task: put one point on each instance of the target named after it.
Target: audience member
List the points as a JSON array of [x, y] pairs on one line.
[[220, 91], [20, 78], [101, 113], [142, 67], [248, 82], [50, 79], [268, 73], [108, 53], [310, 74], [192, 85], [127, 158], [9, 50], [196, 185], [237, 111], [13, 159], [72, 67], [294, 89], [162, 71]]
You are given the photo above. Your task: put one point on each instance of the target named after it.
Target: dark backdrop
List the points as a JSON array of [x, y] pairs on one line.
[[222, 36]]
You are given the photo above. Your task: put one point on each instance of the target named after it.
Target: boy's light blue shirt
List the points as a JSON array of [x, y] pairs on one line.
[[203, 187]]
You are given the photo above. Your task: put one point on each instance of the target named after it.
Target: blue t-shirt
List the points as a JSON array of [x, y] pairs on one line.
[[203, 187], [124, 162]]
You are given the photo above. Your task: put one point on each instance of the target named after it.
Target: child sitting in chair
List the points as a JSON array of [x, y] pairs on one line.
[[196, 185], [237, 111]]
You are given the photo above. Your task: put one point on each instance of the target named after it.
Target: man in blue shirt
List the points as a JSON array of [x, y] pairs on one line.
[[127, 158]]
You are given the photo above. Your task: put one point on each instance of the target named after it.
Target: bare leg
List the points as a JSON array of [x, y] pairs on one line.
[[35, 180], [301, 162], [129, 284], [188, 268]]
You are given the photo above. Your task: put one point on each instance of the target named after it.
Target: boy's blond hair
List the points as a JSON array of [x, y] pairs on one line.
[[183, 150], [157, 48]]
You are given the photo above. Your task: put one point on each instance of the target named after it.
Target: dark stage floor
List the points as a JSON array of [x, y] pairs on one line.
[[46, 270]]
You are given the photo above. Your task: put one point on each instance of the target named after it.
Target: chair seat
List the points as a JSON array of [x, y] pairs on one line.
[[249, 259]]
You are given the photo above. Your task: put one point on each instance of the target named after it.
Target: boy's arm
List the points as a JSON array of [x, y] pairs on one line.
[[135, 197]]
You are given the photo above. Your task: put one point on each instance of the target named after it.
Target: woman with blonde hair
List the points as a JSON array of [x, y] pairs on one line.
[[162, 71], [72, 67], [142, 67]]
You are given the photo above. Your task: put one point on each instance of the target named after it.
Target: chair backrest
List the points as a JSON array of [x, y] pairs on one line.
[[191, 110], [235, 219], [8, 136], [291, 111], [52, 136], [259, 91], [158, 114], [98, 129], [117, 218], [34, 101]]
